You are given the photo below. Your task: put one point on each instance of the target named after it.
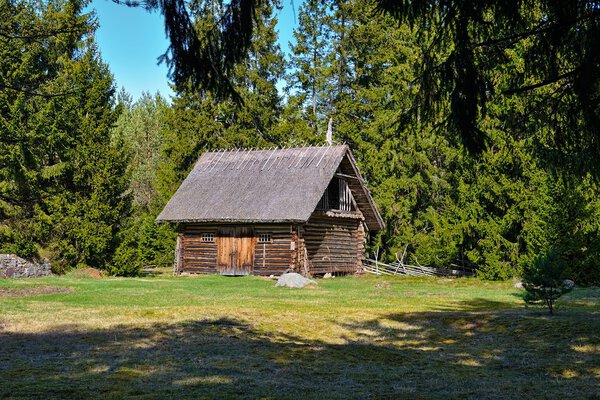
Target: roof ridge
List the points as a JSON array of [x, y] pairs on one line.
[[240, 158], [284, 147]]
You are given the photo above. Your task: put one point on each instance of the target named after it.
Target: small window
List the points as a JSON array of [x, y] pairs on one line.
[[208, 237], [264, 238]]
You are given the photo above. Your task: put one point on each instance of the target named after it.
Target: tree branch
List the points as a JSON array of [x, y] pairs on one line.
[[42, 35], [537, 30], [545, 82], [34, 93]]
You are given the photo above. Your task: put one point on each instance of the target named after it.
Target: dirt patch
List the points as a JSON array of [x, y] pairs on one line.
[[33, 291], [88, 272], [383, 285]]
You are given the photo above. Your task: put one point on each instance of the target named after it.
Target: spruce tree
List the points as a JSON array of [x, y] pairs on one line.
[[63, 182], [309, 75]]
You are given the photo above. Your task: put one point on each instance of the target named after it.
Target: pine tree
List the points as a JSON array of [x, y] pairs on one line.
[[141, 129], [308, 79], [63, 182]]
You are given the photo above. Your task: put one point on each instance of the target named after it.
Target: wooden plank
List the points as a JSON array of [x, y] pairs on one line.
[[244, 250], [225, 251]]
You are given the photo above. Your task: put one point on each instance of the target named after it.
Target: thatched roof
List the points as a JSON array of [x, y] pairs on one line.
[[277, 185]]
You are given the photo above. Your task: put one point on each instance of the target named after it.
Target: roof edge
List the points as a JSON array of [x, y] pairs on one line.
[[229, 221], [365, 188]]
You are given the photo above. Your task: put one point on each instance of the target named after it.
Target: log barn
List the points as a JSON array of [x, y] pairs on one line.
[[267, 212]]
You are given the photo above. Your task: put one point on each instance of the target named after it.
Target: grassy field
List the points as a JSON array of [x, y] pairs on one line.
[[353, 337]]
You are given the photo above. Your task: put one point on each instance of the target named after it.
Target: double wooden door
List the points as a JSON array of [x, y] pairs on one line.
[[235, 250]]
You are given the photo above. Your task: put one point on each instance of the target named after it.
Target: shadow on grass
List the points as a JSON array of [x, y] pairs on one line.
[[421, 355]]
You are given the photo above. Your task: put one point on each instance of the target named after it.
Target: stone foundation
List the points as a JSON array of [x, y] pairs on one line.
[[12, 266]]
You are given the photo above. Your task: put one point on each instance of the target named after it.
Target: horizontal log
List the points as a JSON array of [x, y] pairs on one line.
[[334, 224], [332, 243], [199, 272], [198, 257], [348, 242], [283, 243], [271, 268], [276, 254], [314, 239], [325, 263], [273, 250], [329, 238], [332, 270], [195, 250], [272, 261], [330, 228], [197, 240], [268, 273], [193, 270], [331, 250], [212, 262], [337, 235], [332, 261], [200, 266], [206, 261], [266, 263], [200, 249], [332, 266]]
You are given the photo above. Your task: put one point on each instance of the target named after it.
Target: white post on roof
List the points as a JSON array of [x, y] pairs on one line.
[[243, 157], [300, 157], [314, 156], [270, 155], [329, 136], [219, 159], [233, 164], [325, 152]]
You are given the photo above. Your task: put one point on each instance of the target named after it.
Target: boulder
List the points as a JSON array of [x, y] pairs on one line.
[[569, 284], [294, 280]]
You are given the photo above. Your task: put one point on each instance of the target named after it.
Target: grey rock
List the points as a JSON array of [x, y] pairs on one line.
[[518, 285], [294, 280], [12, 266], [569, 284]]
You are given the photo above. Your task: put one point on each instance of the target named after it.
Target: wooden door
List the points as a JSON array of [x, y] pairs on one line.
[[244, 243], [226, 251], [235, 250]]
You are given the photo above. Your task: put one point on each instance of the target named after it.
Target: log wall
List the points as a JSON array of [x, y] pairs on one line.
[[333, 244], [198, 257], [324, 244], [274, 258]]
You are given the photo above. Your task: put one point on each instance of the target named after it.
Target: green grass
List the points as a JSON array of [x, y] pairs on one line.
[[353, 337]]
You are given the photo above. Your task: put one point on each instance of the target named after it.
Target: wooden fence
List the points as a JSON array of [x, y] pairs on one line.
[[400, 268]]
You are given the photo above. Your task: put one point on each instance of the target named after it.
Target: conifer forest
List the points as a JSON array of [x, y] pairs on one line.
[[475, 124]]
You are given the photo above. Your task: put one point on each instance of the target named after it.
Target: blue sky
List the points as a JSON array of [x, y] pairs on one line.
[[131, 40]]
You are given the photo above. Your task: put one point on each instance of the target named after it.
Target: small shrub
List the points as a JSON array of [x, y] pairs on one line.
[[19, 245], [127, 260], [544, 280]]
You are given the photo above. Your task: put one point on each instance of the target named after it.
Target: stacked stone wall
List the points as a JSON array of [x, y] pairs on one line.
[[12, 266]]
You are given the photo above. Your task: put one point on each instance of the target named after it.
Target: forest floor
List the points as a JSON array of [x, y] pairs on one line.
[[160, 336]]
